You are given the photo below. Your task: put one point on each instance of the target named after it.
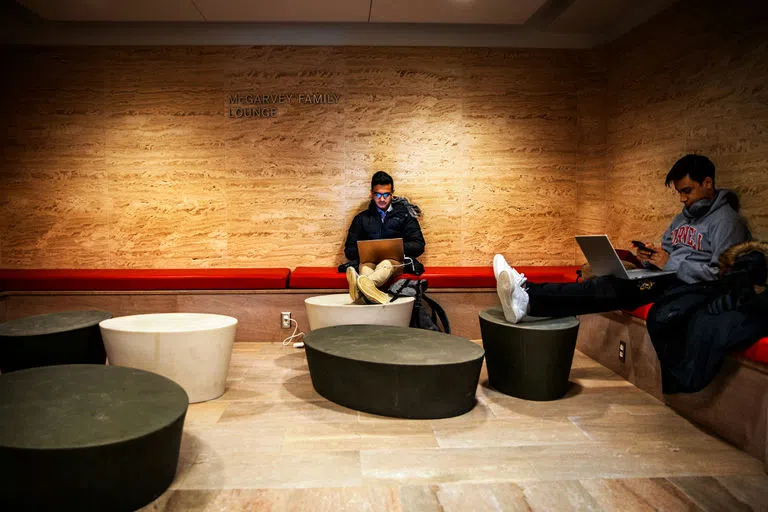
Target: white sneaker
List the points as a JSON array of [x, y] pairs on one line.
[[513, 297], [499, 264]]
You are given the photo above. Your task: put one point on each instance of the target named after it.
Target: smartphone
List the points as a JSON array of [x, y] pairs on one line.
[[641, 245]]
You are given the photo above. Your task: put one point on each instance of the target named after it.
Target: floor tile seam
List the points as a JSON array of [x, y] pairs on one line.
[[269, 400], [314, 488], [278, 422], [275, 457], [669, 414], [574, 423], [264, 486], [299, 449], [521, 444], [451, 451], [420, 429], [703, 506], [626, 489], [213, 436], [530, 420], [273, 379], [611, 449], [441, 480], [570, 475], [279, 401]]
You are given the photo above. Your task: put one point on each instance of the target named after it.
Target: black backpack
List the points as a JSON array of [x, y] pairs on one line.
[[427, 313]]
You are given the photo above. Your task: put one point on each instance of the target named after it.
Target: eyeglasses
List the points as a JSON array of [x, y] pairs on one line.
[[380, 195]]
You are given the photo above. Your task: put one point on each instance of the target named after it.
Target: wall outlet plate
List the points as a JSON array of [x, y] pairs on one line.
[[622, 351], [285, 320]]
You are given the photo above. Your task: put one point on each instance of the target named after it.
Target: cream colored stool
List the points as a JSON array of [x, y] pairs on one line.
[[338, 309], [192, 349]]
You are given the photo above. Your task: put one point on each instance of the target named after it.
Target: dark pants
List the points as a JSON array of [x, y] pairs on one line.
[[597, 295], [694, 327]]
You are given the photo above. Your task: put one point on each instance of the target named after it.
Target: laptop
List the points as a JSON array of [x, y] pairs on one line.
[[603, 259], [374, 251]]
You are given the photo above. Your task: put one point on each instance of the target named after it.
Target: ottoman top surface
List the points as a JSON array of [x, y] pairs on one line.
[[169, 322], [52, 323], [387, 344], [345, 301], [496, 316], [78, 406]]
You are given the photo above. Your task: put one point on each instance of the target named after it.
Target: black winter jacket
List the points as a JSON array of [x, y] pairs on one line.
[[399, 223]]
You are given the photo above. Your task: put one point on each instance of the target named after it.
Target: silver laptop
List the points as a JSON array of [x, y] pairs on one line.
[[374, 251], [603, 259]]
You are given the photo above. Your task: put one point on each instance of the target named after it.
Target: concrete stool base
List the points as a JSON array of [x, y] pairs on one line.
[[530, 360], [87, 437], [394, 371], [66, 337]]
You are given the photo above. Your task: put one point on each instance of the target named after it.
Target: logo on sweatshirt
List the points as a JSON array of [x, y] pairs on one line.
[[687, 235]]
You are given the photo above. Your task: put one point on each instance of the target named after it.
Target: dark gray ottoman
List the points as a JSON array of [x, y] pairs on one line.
[[87, 437], [530, 360], [394, 371], [68, 337]]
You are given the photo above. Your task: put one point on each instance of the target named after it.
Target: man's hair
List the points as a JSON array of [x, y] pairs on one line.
[[382, 178], [698, 167]]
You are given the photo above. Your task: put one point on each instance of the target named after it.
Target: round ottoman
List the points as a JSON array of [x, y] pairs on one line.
[[67, 337], [87, 437], [192, 349], [530, 360], [394, 371], [338, 309]]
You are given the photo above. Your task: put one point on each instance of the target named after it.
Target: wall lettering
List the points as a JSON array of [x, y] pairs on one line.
[[241, 105]]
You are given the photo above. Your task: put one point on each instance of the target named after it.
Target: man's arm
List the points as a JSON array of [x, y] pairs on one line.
[[723, 236], [353, 235], [413, 240]]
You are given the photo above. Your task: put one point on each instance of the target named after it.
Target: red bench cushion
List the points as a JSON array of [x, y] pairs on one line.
[[144, 279], [757, 352], [437, 277], [641, 312]]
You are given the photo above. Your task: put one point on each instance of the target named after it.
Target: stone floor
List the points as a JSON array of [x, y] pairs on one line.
[[272, 443]]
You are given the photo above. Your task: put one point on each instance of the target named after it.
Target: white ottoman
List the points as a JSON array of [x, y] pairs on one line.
[[192, 349], [338, 309]]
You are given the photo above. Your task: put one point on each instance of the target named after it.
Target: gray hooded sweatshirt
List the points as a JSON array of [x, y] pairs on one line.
[[700, 234]]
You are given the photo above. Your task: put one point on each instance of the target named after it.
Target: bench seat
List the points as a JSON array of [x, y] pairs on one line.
[[437, 277], [757, 352], [143, 279]]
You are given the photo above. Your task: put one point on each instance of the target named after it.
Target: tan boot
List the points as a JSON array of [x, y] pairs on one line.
[[354, 291], [369, 284]]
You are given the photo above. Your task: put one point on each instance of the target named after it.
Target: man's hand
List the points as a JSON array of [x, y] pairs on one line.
[[653, 254]]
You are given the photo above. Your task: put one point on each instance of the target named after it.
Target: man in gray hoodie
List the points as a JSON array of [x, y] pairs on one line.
[[691, 246]]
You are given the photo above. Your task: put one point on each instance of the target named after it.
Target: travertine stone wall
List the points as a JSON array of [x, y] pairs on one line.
[[123, 157], [591, 210], [693, 79]]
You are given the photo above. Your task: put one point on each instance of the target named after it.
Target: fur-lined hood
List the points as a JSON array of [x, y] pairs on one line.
[[738, 252], [729, 256], [413, 209]]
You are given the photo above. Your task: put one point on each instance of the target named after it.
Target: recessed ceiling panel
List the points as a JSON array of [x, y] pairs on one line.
[[325, 11], [589, 16], [114, 10], [504, 12], [604, 16]]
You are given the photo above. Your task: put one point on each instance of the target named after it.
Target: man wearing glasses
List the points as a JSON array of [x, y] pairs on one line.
[[386, 217]]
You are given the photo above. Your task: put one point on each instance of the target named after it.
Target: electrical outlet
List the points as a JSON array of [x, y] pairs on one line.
[[285, 320], [623, 351]]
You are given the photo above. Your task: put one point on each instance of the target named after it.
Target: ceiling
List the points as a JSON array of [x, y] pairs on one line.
[[557, 23]]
